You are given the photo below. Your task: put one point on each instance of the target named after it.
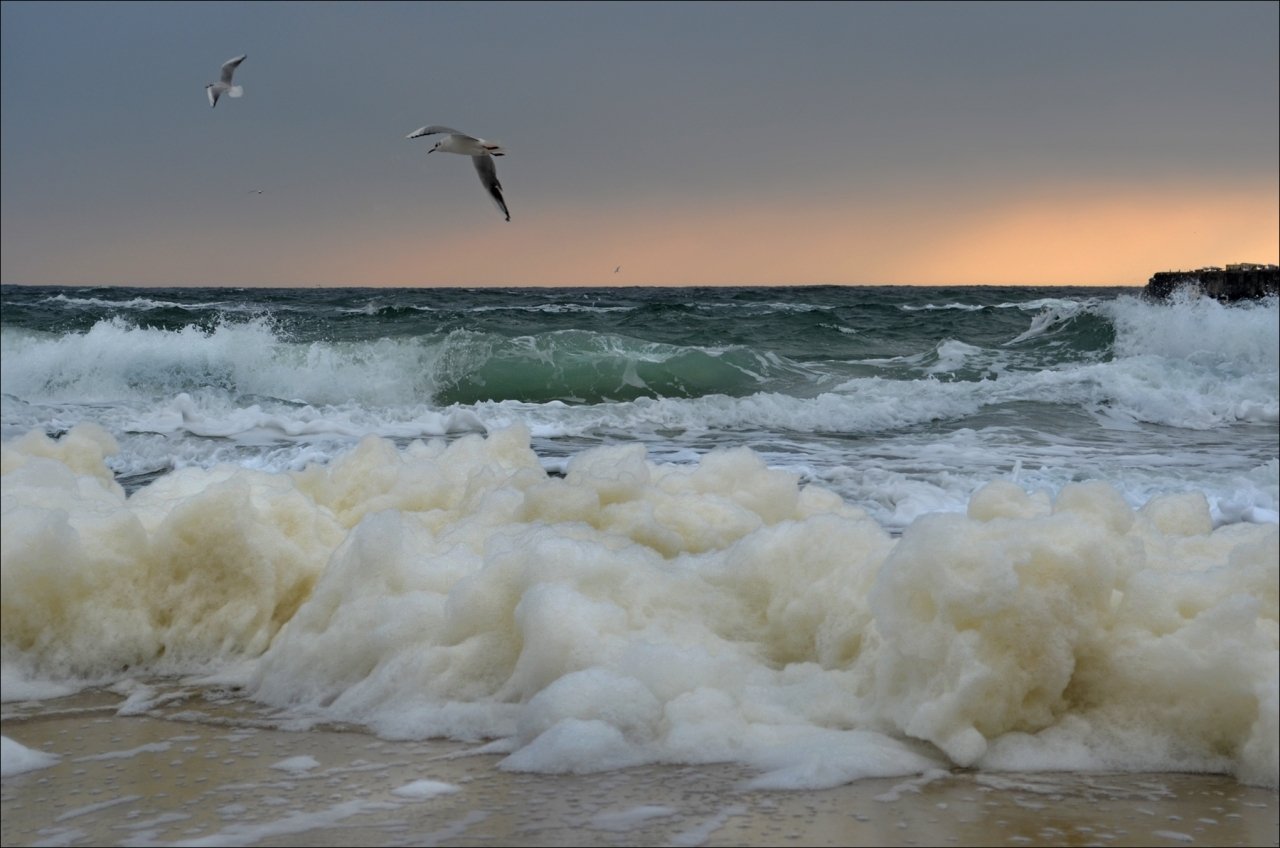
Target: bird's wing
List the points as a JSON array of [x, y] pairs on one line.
[[213, 91], [432, 130], [489, 179], [229, 68]]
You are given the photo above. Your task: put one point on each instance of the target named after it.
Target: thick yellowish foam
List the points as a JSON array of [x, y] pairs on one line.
[[632, 612]]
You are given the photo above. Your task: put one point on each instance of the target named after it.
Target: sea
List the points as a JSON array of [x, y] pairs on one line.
[[826, 532]]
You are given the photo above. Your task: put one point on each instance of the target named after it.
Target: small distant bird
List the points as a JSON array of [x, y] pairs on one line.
[[480, 151], [224, 86], [616, 270]]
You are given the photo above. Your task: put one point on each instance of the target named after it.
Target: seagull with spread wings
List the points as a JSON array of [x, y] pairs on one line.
[[480, 151], [223, 85]]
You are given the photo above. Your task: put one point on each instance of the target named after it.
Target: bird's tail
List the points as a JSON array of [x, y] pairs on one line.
[[495, 149], [235, 91]]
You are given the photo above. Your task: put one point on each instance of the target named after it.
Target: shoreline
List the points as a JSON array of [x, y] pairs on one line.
[[222, 771]]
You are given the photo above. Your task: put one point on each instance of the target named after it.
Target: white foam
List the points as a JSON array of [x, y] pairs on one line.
[[146, 303], [1173, 835], [147, 748], [244, 393], [635, 612], [1053, 316], [1236, 338], [16, 758], [1046, 303], [116, 362], [16, 685], [931, 307], [421, 790], [300, 764], [89, 809], [296, 822], [913, 786]]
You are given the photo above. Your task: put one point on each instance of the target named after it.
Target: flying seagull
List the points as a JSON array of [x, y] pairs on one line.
[[480, 151], [224, 86]]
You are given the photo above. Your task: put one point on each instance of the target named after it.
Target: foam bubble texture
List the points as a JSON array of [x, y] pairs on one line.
[[632, 612]]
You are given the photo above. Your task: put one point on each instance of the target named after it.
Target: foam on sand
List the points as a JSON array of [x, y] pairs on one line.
[[632, 613], [16, 758], [215, 787]]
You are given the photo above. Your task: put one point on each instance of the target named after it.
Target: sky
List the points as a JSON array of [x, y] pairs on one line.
[[687, 143]]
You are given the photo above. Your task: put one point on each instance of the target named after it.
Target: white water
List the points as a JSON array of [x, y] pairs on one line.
[[637, 612]]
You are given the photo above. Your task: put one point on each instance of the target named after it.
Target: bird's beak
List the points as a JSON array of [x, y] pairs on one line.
[[431, 150]]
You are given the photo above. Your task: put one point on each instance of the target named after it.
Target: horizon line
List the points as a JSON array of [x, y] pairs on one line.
[[572, 285]]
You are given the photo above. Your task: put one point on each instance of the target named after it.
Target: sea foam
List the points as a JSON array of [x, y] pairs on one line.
[[634, 612]]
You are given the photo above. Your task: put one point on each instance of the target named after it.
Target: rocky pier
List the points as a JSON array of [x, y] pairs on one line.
[[1245, 281]]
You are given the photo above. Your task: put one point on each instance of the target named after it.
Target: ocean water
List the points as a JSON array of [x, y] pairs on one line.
[[827, 532]]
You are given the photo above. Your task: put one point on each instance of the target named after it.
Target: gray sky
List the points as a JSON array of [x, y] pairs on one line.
[[688, 142]]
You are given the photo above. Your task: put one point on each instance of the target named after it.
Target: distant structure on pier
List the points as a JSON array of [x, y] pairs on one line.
[[1241, 281]]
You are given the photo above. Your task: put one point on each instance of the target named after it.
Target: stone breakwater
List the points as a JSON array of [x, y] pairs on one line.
[[1235, 282]]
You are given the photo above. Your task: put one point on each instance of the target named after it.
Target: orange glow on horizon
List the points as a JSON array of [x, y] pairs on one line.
[[1077, 238], [1072, 237], [1083, 235]]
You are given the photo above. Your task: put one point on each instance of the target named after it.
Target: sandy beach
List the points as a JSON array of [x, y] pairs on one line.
[[212, 770]]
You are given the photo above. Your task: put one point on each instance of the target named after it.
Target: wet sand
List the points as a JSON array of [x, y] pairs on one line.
[[209, 770]]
